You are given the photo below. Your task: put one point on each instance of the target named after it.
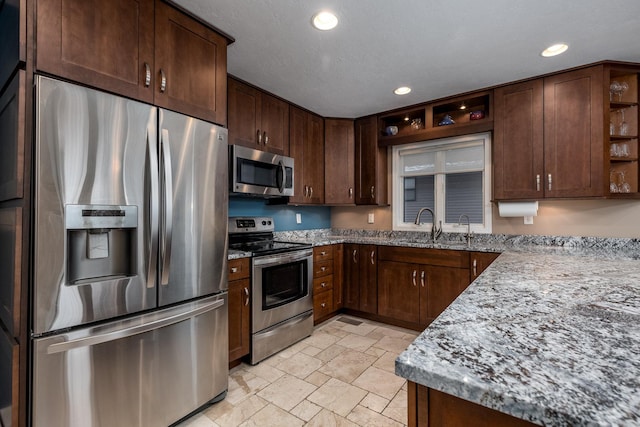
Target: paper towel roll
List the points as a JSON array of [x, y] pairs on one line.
[[509, 209]]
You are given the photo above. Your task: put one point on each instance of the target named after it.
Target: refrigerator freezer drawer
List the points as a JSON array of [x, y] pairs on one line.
[[150, 370]]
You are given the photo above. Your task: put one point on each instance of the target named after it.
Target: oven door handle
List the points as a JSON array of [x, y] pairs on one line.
[[282, 258]]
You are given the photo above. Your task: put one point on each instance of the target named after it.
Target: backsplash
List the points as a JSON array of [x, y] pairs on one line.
[[284, 216]]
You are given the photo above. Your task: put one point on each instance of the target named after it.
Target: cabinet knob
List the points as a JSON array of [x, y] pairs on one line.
[[147, 75], [323, 253], [323, 305], [234, 269], [323, 284], [323, 268], [163, 81]]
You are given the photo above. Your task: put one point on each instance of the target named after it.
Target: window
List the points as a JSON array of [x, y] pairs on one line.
[[450, 176]]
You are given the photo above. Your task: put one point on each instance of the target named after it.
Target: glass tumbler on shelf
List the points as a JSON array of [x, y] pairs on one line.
[[614, 150], [623, 88], [623, 150]]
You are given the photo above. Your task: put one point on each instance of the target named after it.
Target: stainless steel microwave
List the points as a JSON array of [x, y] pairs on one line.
[[259, 173]]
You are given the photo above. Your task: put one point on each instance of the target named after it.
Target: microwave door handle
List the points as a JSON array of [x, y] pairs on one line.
[[152, 165], [167, 216], [283, 172]]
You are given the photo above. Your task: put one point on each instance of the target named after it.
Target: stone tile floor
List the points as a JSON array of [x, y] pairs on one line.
[[342, 375]]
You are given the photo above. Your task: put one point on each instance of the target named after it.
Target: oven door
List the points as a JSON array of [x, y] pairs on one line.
[[281, 287]]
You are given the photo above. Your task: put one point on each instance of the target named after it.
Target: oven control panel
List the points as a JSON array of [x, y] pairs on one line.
[[250, 224]]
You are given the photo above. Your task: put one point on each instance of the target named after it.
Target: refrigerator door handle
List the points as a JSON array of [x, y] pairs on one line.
[[167, 215], [133, 330], [152, 158]]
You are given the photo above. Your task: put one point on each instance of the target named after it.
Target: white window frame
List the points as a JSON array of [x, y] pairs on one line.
[[397, 185]]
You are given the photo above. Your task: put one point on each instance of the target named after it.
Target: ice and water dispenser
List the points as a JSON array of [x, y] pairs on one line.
[[101, 242]]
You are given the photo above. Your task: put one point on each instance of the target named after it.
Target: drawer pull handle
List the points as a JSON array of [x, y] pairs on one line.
[[475, 268], [422, 278], [323, 253], [550, 181], [538, 182], [413, 277], [350, 192], [323, 268], [323, 305], [323, 284], [246, 292], [266, 138], [355, 252], [373, 254], [259, 137]]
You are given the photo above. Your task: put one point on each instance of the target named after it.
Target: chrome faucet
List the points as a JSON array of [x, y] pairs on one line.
[[469, 235], [435, 231]]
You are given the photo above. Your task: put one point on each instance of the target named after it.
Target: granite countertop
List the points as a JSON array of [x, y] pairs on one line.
[[552, 338]]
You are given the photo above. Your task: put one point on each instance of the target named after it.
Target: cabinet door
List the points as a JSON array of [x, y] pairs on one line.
[[480, 261], [352, 276], [13, 35], [244, 114], [573, 134], [12, 137], [238, 318], [368, 279], [371, 164], [443, 285], [275, 125], [518, 143], [105, 44], [339, 155], [314, 159], [11, 240], [398, 291], [191, 60]]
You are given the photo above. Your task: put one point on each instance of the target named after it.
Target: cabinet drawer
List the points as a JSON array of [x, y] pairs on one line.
[[322, 284], [322, 252], [441, 257], [322, 268], [323, 304], [238, 269]]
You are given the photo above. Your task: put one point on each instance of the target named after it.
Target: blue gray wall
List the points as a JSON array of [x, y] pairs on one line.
[[313, 217]]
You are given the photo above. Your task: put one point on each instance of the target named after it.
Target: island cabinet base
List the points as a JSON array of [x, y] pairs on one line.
[[432, 408]]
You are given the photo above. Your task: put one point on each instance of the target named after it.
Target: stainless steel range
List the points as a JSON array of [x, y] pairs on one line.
[[281, 284]]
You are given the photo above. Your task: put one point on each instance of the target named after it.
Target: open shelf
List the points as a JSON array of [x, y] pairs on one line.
[[421, 123]]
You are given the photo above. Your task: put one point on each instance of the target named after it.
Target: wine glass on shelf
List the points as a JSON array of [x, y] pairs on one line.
[[623, 88], [624, 186], [615, 88], [624, 126], [613, 182]]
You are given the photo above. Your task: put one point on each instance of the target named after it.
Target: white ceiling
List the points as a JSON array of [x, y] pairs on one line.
[[437, 47]]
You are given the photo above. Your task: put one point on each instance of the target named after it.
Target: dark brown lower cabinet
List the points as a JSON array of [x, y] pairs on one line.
[[416, 285], [239, 309], [429, 407], [360, 278]]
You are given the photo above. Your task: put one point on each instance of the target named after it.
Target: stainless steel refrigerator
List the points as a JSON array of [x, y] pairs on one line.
[[129, 306]]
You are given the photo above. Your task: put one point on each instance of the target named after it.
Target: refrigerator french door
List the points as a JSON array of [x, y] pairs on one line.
[[129, 300]]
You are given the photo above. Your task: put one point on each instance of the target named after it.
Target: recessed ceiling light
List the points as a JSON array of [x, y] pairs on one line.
[[554, 50], [324, 20], [403, 90]]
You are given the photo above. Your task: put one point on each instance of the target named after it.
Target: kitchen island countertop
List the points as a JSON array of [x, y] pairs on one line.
[[552, 338]]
